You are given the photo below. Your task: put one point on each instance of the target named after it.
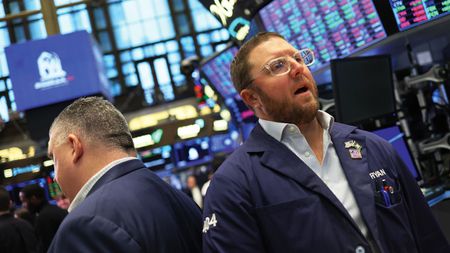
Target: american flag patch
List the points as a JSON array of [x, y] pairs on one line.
[[355, 153]]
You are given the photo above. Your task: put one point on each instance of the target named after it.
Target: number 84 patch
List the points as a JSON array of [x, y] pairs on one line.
[[209, 223]]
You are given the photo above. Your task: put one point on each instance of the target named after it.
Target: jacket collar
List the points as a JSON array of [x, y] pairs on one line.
[[275, 129], [116, 172]]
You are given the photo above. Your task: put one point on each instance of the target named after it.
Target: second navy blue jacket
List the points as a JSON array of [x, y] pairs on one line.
[[130, 209]]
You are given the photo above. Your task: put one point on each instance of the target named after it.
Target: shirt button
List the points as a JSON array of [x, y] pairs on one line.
[[307, 154], [360, 249]]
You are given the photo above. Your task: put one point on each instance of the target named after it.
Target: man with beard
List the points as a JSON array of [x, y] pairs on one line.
[[303, 183]]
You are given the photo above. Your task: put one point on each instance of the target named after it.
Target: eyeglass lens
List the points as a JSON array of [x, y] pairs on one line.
[[308, 56], [281, 65]]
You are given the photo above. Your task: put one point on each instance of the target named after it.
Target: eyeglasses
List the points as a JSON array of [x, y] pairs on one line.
[[282, 65]]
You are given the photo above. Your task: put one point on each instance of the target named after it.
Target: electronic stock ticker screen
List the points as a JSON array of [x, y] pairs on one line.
[[411, 13], [331, 29], [217, 71]]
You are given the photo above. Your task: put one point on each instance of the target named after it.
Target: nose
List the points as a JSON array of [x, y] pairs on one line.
[[297, 69]]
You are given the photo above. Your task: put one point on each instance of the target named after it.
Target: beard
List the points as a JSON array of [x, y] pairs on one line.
[[288, 112]]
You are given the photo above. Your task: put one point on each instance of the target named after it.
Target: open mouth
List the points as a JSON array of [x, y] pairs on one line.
[[301, 90]]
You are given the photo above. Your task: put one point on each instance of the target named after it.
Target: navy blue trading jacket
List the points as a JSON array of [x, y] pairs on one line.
[[265, 199], [130, 209]]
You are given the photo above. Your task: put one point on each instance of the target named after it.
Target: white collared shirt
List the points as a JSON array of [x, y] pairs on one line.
[[197, 196], [83, 192], [331, 171]]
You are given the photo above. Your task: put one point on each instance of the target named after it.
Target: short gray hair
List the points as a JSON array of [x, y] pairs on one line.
[[95, 119]]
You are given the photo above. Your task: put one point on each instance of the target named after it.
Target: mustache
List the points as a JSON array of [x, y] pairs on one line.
[[310, 83]]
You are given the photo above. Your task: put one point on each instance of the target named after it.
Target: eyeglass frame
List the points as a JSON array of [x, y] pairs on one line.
[[267, 65]]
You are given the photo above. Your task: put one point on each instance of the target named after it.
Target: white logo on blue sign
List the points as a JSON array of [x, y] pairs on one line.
[[50, 71]]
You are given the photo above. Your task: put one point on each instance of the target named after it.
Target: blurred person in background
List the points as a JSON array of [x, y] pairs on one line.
[[218, 160], [16, 235], [47, 217], [193, 191], [24, 214], [206, 184], [62, 201]]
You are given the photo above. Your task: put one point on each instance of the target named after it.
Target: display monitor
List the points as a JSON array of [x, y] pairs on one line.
[[216, 71], [158, 158], [396, 137], [192, 152], [54, 190], [12, 172], [411, 13], [363, 88], [332, 29]]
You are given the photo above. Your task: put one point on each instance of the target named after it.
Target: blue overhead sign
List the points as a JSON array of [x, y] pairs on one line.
[[56, 69]]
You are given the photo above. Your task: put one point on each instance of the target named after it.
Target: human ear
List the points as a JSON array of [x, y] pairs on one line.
[[77, 147], [251, 98]]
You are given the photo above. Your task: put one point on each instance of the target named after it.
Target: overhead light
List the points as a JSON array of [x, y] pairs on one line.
[[142, 122], [205, 110], [147, 120], [225, 114], [200, 123], [220, 125], [157, 135], [160, 115], [15, 153], [209, 91], [143, 141], [189, 131], [8, 173], [48, 163], [184, 112]]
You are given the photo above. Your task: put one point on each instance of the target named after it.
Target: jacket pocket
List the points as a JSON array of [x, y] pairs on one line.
[[308, 224]]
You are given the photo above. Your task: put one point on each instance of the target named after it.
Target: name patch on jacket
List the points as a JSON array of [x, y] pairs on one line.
[[209, 222], [377, 174]]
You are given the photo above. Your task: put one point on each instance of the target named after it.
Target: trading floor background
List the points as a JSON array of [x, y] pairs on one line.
[[380, 65]]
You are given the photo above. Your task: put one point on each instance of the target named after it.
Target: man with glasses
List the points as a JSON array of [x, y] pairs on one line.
[[303, 183]]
